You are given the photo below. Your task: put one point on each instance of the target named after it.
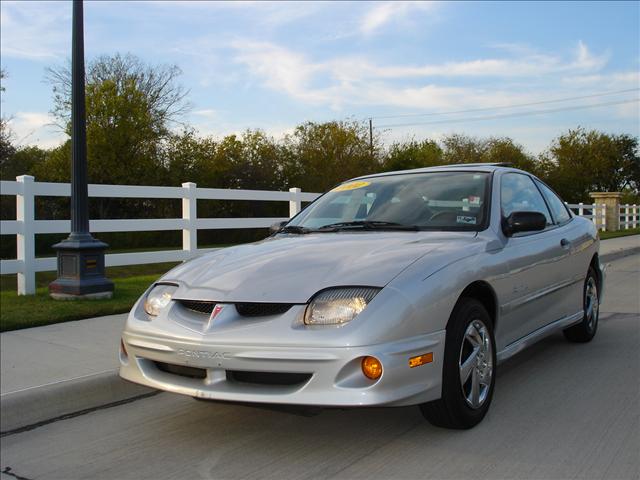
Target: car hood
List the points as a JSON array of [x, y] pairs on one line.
[[292, 268]]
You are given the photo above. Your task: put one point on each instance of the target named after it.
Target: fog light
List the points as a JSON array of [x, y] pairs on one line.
[[371, 367]]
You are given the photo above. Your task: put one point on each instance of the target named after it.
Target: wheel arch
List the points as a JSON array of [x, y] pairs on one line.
[[486, 295], [595, 263]]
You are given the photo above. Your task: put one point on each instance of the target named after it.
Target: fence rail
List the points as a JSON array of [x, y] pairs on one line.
[[25, 226], [629, 216], [596, 212]]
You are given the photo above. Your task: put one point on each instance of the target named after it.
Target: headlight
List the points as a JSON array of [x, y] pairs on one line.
[[158, 298], [338, 305]]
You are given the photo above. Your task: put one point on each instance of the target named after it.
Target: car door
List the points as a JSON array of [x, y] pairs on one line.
[[532, 284], [576, 241]]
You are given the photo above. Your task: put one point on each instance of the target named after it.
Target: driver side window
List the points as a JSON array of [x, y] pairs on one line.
[[518, 193]]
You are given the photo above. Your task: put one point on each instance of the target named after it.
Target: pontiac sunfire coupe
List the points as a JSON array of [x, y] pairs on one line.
[[402, 288]]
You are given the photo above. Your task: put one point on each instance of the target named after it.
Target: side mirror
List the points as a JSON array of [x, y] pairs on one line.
[[523, 222], [275, 228]]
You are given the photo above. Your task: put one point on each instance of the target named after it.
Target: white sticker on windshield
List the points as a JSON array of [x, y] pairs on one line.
[[466, 220]]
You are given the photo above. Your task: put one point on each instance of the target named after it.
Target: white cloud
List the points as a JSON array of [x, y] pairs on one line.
[[531, 64], [35, 128], [383, 13], [344, 81]]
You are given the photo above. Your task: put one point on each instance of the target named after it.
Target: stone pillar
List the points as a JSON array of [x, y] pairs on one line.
[[612, 202]]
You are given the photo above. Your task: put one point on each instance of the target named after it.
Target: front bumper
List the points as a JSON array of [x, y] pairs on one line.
[[333, 374]]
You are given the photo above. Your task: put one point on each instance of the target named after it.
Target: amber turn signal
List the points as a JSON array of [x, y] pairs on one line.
[[421, 360], [371, 367]]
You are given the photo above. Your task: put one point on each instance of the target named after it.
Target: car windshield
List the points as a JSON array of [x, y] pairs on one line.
[[429, 201]]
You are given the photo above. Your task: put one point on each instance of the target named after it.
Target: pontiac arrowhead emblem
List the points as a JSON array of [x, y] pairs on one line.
[[216, 311]]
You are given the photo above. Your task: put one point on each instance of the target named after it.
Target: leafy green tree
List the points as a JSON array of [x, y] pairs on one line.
[[505, 150], [580, 161], [321, 155], [130, 109], [413, 154], [21, 161], [165, 98], [186, 158], [459, 148]]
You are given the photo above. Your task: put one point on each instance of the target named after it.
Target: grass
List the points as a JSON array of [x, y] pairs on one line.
[[619, 233], [27, 311], [35, 310]]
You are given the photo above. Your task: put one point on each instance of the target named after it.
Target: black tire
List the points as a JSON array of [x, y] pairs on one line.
[[453, 410], [585, 330]]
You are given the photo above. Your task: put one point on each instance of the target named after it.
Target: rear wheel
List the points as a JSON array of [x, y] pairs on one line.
[[586, 329], [468, 375]]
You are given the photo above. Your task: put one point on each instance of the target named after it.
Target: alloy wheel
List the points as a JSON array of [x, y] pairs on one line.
[[476, 364]]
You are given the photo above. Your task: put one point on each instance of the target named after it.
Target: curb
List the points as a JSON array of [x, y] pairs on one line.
[[32, 406], [610, 257]]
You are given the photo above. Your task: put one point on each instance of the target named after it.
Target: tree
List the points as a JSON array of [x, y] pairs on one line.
[[130, 108], [580, 161], [320, 155], [505, 150], [164, 97], [7, 150], [21, 161], [459, 148], [413, 154]]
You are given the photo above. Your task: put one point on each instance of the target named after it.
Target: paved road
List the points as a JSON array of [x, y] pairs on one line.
[[560, 411]]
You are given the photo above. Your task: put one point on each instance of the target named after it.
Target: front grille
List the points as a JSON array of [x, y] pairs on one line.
[[183, 371], [244, 309], [267, 378], [262, 309], [200, 307]]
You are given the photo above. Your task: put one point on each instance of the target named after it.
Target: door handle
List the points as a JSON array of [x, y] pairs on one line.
[[565, 243]]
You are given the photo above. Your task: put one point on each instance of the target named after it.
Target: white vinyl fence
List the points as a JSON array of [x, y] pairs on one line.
[[629, 216], [25, 226], [597, 213]]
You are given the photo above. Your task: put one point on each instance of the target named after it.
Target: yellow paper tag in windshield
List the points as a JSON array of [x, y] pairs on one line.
[[350, 186]]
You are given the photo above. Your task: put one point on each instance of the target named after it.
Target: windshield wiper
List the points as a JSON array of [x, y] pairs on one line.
[[368, 225], [294, 229]]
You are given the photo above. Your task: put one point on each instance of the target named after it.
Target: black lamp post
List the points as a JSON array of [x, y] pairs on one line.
[[80, 256]]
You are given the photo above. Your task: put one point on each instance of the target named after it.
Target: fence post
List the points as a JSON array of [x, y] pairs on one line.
[[295, 205], [26, 251], [626, 217], [581, 209], [634, 212], [190, 216]]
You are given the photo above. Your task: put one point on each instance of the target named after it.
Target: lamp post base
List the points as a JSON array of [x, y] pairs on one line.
[[81, 270]]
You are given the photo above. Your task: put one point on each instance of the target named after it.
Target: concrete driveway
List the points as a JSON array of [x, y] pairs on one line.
[[560, 411]]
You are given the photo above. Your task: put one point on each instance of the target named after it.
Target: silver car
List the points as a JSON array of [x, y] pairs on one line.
[[402, 288]]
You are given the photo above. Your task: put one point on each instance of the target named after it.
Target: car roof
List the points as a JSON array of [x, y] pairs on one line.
[[460, 167]]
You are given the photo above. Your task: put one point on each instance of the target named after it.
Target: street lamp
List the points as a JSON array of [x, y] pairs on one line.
[[80, 256]]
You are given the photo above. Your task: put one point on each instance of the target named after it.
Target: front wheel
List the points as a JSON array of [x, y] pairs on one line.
[[468, 375], [586, 329]]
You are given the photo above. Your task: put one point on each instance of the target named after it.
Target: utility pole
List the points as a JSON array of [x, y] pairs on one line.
[[80, 256], [371, 135]]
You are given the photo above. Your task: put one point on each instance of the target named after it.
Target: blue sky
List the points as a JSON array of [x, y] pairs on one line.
[[274, 65]]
